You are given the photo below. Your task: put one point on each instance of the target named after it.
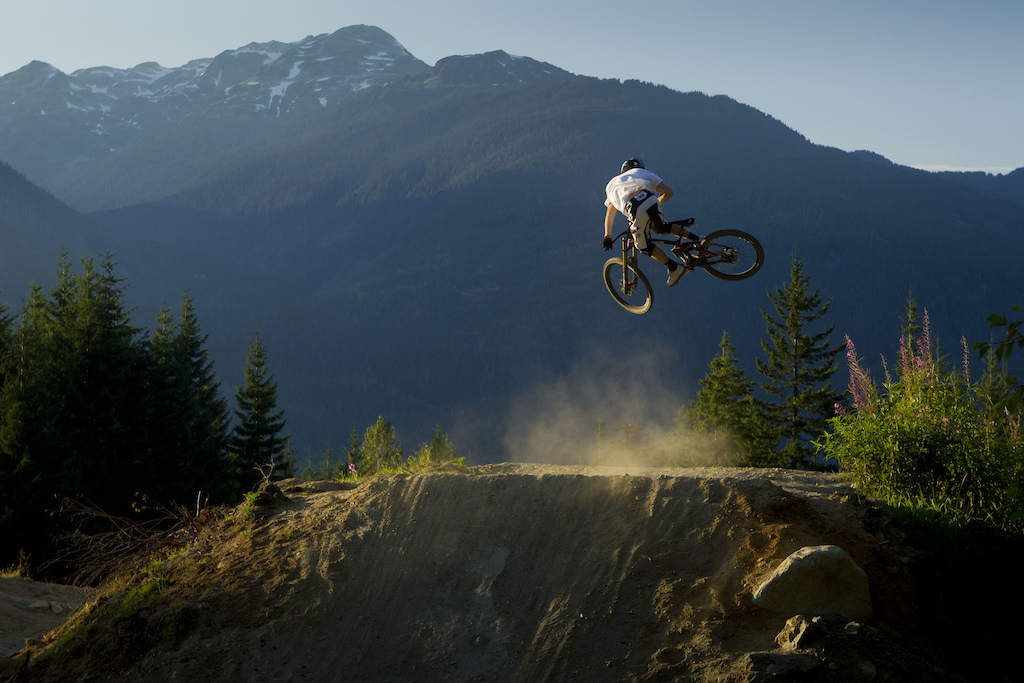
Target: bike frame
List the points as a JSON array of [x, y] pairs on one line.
[[725, 254], [683, 250]]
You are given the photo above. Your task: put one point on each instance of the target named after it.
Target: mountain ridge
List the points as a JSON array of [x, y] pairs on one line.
[[108, 109]]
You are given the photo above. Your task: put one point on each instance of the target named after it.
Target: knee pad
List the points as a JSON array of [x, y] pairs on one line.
[[649, 249]]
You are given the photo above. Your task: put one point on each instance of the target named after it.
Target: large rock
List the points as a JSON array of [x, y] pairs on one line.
[[817, 580]]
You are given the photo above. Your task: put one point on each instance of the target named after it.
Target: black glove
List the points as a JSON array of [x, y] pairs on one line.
[[607, 244]]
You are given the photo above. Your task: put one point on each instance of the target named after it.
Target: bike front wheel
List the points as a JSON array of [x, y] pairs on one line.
[[628, 286], [730, 254]]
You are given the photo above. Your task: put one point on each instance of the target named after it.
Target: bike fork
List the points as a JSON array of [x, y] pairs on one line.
[[629, 276]]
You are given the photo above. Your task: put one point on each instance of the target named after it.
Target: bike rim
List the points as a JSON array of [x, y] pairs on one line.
[[730, 255]]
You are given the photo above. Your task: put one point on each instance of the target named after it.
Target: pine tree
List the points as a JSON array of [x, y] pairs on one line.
[[74, 403], [257, 444], [192, 416], [379, 450], [438, 451], [96, 372], [798, 367], [994, 389], [6, 370], [726, 411], [912, 320]]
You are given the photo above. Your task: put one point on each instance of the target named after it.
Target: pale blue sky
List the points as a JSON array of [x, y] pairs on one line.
[[926, 83]]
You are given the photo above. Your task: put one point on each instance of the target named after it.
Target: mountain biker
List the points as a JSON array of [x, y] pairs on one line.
[[638, 194]]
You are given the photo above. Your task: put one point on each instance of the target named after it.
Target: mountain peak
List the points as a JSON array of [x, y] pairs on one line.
[[96, 111], [29, 76], [494, 69]]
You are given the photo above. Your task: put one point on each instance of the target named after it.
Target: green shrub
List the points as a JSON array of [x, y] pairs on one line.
[[924, 440]]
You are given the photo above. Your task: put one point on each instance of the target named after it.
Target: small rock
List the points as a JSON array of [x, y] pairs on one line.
[[798, 633]]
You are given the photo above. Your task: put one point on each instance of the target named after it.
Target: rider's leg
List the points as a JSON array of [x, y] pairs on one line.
[[642, 235], [661, 257], [677, 228], [675, 270]]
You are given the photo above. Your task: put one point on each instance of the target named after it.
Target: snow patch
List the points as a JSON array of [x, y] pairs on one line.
[[280, 89]]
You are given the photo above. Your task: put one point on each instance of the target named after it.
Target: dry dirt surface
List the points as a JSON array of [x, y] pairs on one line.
[[29, 609], [507, 573]]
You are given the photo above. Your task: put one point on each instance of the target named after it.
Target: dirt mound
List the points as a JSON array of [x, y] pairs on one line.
[[511, 573]]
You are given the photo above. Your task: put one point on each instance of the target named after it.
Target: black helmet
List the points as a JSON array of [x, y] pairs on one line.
[[632, 163]]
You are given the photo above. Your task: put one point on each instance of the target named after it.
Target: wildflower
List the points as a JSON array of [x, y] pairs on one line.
[[861, 386]]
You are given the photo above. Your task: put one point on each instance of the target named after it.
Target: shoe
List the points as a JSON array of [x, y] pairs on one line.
[[677, 274]]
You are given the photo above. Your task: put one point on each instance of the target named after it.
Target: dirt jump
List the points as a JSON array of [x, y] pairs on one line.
[[513, 573]]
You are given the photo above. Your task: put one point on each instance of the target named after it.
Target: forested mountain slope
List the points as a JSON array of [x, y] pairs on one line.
[[34, 227], [429, 250], [423, 253]]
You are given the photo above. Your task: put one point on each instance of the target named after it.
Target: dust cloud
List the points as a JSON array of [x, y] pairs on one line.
[[607, 410]]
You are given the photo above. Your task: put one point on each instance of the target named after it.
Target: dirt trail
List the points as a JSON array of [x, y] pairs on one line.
[[512, 573]]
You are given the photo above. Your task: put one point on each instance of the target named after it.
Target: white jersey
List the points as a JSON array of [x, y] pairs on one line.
[[620, 188]]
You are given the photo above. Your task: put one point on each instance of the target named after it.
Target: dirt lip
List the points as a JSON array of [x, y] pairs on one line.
[[514, 572]]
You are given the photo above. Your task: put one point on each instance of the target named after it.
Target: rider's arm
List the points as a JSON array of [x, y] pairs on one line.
[[664, 193], [609, 220]]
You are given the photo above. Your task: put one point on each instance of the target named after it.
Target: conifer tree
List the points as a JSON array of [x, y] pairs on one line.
[[6, 369], [94, 369], [257, 443], [726, 411], [379, 450], [438, 451], [192, 416], [74, 403], [912, 320], [994, 389], [6, 345], [798, 366]]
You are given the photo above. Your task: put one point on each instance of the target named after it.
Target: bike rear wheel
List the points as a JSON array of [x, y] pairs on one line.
[[628, 286], [731, 254]]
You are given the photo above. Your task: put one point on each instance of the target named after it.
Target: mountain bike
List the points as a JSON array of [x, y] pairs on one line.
[[725, 254]]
